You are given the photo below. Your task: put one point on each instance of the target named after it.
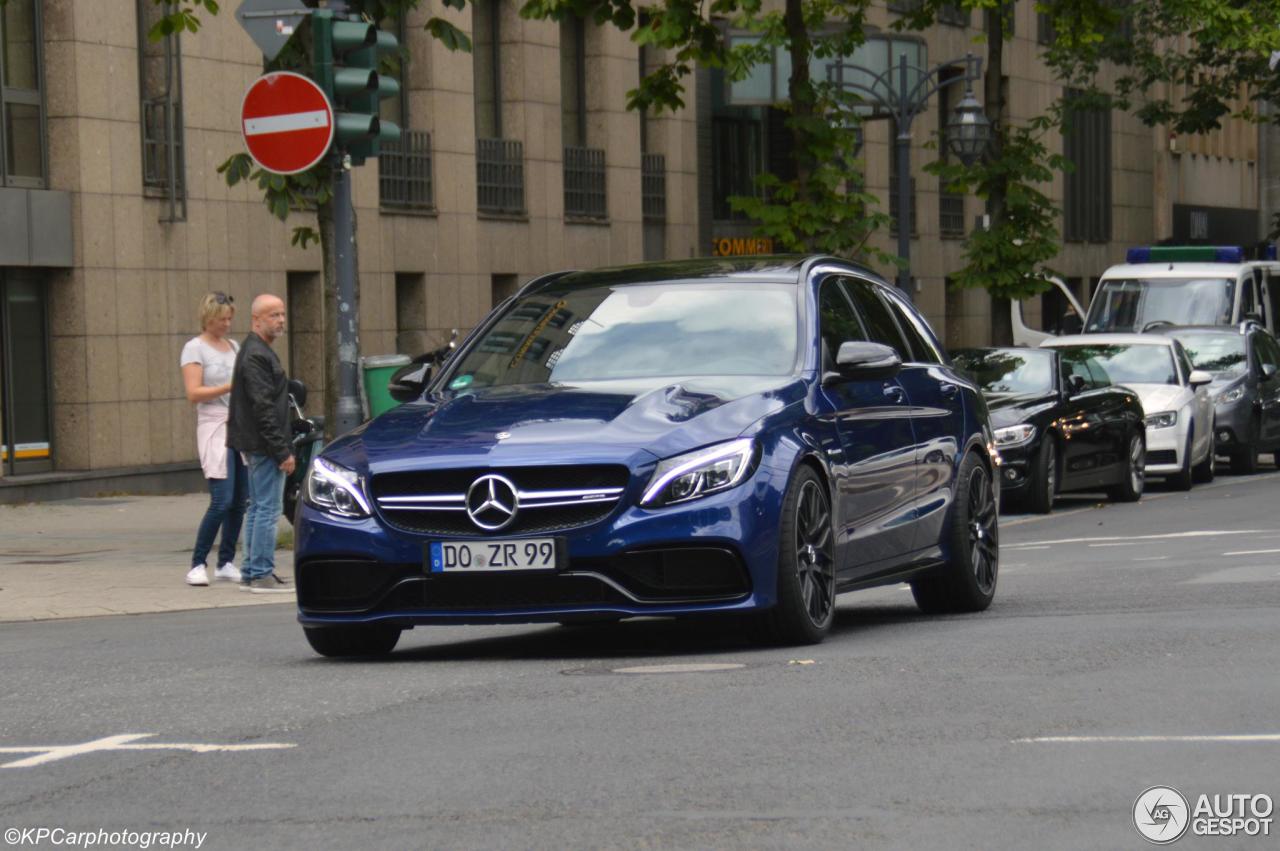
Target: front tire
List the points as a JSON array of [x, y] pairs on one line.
[[1135, 472], [806, 565], [1182, 480], [342, 641], [1244, 462], [967, 583], [1044, 480]]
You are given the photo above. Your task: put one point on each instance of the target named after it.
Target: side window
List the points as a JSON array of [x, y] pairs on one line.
[[924, 348], [1075, 362], [837, 323], [879, 321], [1268, 351]]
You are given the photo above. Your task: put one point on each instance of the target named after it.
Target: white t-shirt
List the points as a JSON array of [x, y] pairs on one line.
[[217, 367]]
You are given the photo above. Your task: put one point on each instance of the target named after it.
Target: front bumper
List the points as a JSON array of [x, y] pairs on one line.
[[1232, 422], [1165, 448], [1015, 466], [717, 554]]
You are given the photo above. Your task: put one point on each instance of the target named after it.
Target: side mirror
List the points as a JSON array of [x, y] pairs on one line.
[[1268, 370], [867, 361], [298, 391], [1076, 385], [1199, 378], [407, 383]]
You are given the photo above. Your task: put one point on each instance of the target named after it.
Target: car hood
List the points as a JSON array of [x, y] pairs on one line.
[[589, 422], [1156, 398], [1010, 408]]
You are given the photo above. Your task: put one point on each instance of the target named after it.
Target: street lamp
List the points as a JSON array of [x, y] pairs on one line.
[[968, 130]]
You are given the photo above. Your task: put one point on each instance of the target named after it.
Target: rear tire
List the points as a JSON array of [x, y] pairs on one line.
[[1203, 472], [1044, 478], [340, 641], [806, 566], [967, 582], [1182, 480], [1134, 480]]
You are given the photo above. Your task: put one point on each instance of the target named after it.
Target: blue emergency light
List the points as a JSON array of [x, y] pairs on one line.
[[1185, 254]]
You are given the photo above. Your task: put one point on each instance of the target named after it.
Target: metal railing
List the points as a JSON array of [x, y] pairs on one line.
[[653, 187], [584, 183], [404, 172], [161, 131], [500, 176], [951, 215]]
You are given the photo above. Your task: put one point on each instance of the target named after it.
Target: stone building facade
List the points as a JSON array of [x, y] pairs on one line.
[[518, 159]]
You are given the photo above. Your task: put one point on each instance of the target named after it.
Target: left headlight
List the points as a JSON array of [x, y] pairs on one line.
[[1014, 435], [1164, 419], [699, 473], [334, 489], [1231, 394]]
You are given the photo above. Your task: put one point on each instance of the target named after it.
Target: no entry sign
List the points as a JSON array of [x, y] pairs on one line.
[[286, 121]]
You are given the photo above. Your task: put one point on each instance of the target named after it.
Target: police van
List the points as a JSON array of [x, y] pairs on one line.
[[1172, 285]]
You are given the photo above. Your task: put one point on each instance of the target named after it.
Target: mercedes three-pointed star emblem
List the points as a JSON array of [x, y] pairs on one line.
[[492, 502]]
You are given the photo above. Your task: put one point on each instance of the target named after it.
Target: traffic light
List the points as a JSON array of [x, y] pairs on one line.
[[345, 64]]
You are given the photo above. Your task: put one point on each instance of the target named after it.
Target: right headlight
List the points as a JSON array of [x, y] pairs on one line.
[[1164, 419], [334, 489], [699, 473]]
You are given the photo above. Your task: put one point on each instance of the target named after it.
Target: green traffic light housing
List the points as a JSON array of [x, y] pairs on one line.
[[345, 59]]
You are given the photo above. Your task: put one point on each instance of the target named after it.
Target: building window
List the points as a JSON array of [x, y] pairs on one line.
[[22, 136], [404, 167], [1044, 29], [953, 14], [653, 204], [584, 167], [1086, 203], [160, 93], [950, 204], [24, 372], [499, 161]]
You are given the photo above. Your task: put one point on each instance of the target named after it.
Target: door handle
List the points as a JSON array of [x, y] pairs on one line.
[[896, 394], [949, 390]]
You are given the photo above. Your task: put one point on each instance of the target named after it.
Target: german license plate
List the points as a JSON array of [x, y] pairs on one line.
[[486, 556]]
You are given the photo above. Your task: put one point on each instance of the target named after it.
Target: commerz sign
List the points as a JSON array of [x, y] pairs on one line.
[[738, 246]]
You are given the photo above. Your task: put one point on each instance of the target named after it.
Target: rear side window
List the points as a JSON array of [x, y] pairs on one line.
[[913, 326], [1076, 362], [876, 316]]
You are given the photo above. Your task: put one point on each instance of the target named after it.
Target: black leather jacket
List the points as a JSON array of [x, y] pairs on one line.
[[259, 417]]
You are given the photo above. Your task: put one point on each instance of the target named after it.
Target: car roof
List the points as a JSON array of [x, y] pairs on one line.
[[1174, 330], [1173, 269], [1106, 340], [766, 268]]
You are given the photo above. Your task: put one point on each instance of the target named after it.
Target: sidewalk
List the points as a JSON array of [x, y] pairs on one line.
[[110, 556]]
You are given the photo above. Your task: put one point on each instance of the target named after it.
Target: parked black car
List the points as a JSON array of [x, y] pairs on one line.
[[1057, 426], [1245, 363]]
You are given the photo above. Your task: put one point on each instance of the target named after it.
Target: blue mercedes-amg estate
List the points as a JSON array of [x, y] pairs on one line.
[[742, 437]]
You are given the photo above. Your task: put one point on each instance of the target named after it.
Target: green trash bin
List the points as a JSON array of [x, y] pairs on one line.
[[375, 372]]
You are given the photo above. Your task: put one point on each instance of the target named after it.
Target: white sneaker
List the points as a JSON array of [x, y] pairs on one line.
[[227, 573], [198, 575]]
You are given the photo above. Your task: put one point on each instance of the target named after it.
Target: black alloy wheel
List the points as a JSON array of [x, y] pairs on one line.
[[967, 582], [355, 640], [1043, 486], [806, 565], [1204, 472], [1134, 479]]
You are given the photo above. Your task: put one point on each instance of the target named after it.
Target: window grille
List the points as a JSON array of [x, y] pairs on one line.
[[500, 176], [404, 172], [951, 215], [953, 14], [584, 183], [160, 95], [653, 187]]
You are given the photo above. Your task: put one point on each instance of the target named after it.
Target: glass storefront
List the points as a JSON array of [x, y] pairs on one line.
[[24, 372]]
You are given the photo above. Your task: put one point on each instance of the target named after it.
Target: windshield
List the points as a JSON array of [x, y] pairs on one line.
[[1136, 364], [1013, 371], [1124, 304], [1220, 354], [607, 332]]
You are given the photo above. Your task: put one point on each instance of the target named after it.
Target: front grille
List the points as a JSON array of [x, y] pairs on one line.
[[503, 591], [442, 511], [1162, 456]]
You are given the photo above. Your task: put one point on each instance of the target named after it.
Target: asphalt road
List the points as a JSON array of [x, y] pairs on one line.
[[1158, 619]]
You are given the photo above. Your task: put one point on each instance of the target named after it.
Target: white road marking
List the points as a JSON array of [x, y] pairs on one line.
[[1253, 737], [1250, 552], [1152, 558], [1170, 536], [286, 123], [125, 742], [1021, 547], [1130, 544], [681, 668]]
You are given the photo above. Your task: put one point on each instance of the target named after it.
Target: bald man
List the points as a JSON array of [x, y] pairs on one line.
[[258, 427]]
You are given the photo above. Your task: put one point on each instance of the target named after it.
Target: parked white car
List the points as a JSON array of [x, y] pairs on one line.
[[1175, 397]]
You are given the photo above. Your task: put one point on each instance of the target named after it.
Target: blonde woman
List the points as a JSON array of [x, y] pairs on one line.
[[207, 363]]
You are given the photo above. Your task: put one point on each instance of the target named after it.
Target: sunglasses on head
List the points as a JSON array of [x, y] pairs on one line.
[[223, 298]]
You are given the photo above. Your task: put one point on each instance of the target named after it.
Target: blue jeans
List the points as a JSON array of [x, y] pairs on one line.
[[266, 499], [225, 512]]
